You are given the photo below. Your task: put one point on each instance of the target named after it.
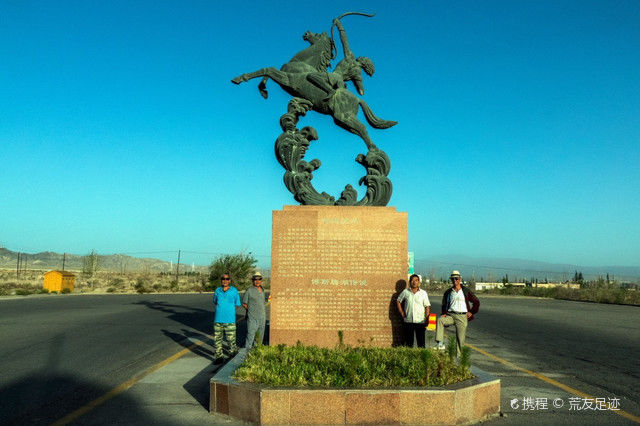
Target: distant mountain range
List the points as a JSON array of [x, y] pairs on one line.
[[493, 269], [480, 268], [115, 262]]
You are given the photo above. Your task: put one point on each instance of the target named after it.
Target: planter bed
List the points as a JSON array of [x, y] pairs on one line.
[[469, 401]]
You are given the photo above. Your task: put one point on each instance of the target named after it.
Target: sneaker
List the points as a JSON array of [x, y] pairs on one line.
[[440, 346]]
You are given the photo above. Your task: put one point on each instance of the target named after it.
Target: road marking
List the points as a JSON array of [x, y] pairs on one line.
[[122, 387], [551, 381]]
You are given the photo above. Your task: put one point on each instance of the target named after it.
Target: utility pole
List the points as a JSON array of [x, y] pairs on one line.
[[18, 266], [178, 268], [64, 260]]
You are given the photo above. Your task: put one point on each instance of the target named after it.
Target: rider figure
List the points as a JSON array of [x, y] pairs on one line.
[[349, 68]]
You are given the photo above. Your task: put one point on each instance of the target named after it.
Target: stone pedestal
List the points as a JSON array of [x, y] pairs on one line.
[[337, 268]]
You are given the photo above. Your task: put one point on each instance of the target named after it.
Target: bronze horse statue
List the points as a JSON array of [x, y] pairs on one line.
[[305, 76]]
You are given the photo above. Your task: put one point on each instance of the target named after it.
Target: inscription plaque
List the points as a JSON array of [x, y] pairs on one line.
[[337, 268]]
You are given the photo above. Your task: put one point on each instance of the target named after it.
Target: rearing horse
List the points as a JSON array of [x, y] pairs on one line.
[[341, 104]]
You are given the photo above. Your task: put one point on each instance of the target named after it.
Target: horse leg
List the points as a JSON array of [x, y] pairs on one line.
[[269, 72], [351, 123]]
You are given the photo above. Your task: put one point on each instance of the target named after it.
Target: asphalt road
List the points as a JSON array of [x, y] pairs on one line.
[[589, 347], [59, 352]]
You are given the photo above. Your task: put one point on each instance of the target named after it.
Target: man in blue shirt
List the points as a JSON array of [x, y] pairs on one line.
[[225, 299]]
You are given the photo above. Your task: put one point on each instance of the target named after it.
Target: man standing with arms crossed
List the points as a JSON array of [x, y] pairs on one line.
[[415, 311], [254, 301], [459, 305], [225, 299]]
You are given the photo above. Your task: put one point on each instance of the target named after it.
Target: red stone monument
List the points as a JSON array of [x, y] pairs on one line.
[[337, 268]]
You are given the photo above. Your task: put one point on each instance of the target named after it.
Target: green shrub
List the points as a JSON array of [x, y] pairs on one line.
[[607, 293], [240, 266], [142, 285], [111, 290], [632, 297], [350, 367], [23, 292], [66, 291], [43, 291], [465, 357], [116, 283]]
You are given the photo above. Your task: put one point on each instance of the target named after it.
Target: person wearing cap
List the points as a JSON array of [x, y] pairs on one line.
[[225, 299], [414, 307], [459, 305], [254, 302]]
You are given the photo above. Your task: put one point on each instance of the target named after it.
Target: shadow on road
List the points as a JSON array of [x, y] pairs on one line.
[[200, 330], [46, 398], [48, 395], [198, 385], [196, 318]]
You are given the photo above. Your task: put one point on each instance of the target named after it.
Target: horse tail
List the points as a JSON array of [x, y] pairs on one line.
[[372, 119]]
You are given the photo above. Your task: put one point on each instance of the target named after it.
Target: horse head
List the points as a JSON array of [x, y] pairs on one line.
[[314, 38], [319, 54]]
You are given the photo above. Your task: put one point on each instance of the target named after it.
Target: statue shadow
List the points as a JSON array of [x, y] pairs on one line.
[[202, 345], [394, 315], [197, 337], [49, 393], [195, 318]]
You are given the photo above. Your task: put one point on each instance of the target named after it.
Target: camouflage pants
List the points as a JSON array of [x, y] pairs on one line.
[[224, 339]]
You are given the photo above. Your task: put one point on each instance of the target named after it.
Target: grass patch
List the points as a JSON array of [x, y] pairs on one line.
[[598, 294], [351, 367]]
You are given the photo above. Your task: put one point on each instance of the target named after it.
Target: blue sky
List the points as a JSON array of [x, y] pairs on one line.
[[518, 130]]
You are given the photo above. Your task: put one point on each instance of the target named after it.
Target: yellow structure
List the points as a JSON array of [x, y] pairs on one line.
[[59, 280], [432, 322]]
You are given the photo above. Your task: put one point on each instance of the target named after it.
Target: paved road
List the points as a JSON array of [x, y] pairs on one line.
[[592, 348], [60, 352]]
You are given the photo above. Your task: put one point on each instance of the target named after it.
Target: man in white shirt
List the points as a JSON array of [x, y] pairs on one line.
[[414, 307], [459, 305]]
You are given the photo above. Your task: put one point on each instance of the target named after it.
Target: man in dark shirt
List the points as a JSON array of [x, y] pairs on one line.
[[254, 302], [459, 305]]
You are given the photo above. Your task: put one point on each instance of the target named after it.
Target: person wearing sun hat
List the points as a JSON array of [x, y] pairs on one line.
[[459, 305], [253, 301]]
